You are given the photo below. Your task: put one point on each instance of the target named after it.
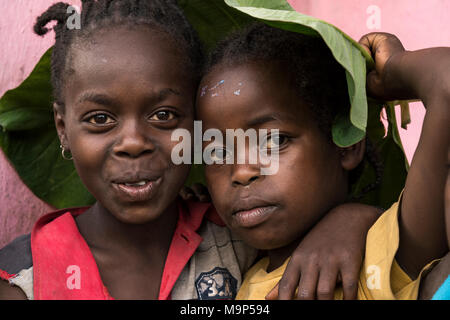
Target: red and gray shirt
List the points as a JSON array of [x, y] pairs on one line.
[[205, 260]]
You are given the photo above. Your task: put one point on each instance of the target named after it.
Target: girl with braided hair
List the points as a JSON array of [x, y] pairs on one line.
[[121, 85]]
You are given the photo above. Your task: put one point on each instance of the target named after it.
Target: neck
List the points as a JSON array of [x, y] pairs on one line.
[[102, 230], [278, 256]]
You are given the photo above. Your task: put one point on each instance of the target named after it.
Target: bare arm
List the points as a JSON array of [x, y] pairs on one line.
[[422, 227], [330, 253], [8, 292], [420, 74]]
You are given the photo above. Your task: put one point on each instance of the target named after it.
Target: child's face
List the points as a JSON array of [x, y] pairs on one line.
[[128, 91], [269, 211]]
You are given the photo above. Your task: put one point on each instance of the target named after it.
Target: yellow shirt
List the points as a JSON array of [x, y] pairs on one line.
[[381, 278]]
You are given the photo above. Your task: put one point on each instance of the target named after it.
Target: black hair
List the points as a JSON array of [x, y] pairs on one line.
[[164, 15], [319, 80]]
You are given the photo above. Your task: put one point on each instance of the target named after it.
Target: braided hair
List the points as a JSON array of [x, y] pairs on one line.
[[319, 80], [164, 15]]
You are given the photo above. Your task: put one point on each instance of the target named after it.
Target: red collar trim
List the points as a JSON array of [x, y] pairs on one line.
[[57, 244], [62, 260]]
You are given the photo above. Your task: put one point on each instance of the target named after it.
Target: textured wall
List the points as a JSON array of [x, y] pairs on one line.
[[418, 23], [20, 50]]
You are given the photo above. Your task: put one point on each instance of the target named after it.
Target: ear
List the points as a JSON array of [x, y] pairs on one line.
[[352, 156], [59, 115]]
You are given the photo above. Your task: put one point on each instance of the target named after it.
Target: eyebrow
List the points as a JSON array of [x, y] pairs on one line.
[[264, 119], [167, 91], [103, 99], [96, 98]]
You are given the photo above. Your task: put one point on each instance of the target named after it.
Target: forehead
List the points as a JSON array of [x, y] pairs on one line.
[[238, 96], [141, 54]]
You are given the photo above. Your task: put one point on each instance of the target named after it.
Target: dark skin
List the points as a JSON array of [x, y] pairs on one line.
[[335, 246], [421, 74], [266, 101], [408, 75], [127, 94], [144, 98], [439, 274], [112, 126]]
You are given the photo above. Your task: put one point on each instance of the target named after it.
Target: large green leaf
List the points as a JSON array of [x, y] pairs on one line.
[[361, 121], [346, 51], [395, 166], [213, 19], [28, 136]]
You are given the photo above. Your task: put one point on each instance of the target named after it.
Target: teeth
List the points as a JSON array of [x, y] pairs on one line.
[[136, 184]]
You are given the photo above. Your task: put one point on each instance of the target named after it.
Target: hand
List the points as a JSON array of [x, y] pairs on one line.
[[332, 252], [382, 47], [196, 192]]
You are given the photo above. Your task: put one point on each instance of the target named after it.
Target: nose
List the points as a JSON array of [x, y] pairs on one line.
[[244, 174], [133, 141]]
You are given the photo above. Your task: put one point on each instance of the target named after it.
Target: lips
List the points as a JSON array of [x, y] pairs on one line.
[[252, 213], [136, 189]]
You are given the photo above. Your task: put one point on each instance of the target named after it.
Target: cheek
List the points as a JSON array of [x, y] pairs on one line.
[[175, 174], [89, 154], [217, 182], [306, 177]]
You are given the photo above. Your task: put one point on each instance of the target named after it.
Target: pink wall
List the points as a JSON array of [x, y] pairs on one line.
[[417, 23]]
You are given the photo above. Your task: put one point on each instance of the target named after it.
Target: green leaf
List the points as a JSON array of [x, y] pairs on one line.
[[27, 107], [362, 120], [213, 19], [345, 50], [29, 140], [395, 165]]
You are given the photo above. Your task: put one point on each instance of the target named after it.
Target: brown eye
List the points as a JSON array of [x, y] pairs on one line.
[[274, 142], [162, 116], [220, 154], [101, 119]]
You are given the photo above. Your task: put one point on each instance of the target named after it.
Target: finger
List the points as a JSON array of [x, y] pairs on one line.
[[186, 193], [308, 284], [381, 46], [350, 277], [327, 283], [289, 281], [366, 44], [201, 192], [375, 85], [273, 294]]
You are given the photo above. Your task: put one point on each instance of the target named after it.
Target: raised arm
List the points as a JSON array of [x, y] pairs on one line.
[[422, 74]]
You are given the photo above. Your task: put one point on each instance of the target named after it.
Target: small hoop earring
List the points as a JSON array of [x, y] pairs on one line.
[[63, 153]]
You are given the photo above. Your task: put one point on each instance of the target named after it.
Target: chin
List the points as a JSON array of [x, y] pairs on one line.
[[138, 216], [263, 240]]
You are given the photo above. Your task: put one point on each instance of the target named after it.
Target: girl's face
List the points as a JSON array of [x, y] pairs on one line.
[[269, 211], [127, 91]]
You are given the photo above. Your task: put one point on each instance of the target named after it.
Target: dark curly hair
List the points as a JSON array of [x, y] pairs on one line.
[[317, 77], [164, 15]]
